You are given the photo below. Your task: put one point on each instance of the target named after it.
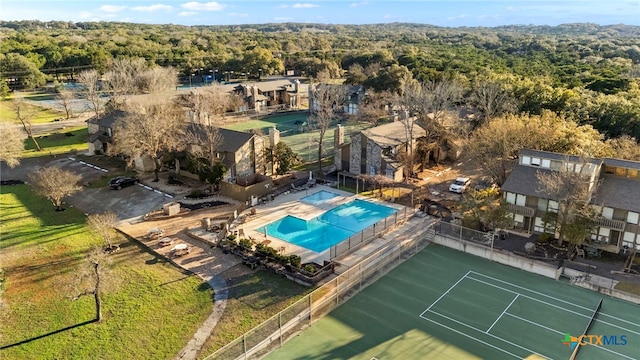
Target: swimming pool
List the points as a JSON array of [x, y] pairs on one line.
[[319, 197], [330, 228]]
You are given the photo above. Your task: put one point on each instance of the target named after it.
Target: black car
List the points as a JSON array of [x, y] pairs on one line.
[[119, 182]]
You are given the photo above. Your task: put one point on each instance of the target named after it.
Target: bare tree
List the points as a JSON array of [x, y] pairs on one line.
[[440, 97], [12, 143], [65, 98], [158, 80], [124, 76], [374, 107], [571, 188], [327, 100], [206, 105], [55, 184], [104, 226], [411, 105], [92, 278], [155, 131], [490, 98], [91, 91], [25, 115]]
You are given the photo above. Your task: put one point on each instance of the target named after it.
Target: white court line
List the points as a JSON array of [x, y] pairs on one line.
[[446, 292], [504, 311], [562, 333], [473, 338], [489, 334], [552, 305], [551, 297]]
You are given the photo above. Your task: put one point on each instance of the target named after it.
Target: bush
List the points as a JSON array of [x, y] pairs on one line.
[[309, 268], [295, 260], [246, 243], [544, 238], [231, 237]]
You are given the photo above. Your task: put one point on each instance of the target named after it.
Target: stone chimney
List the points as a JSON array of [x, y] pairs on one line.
[[274, 136], [338, 141]]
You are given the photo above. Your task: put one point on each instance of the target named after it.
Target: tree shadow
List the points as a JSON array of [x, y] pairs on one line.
[[48, 334]]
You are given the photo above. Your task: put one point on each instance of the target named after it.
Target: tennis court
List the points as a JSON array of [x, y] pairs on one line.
[[443, 304]]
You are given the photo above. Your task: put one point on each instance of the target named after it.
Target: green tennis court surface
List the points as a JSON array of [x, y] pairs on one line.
[[443, 304]]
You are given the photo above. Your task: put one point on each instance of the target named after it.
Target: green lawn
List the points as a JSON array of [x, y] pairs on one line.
[[254, 297], [68, 140], [41, 114], [150, 308]]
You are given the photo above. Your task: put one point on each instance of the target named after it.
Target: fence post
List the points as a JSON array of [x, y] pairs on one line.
[[374, 226], [310, 309], [280, 326], [244, 344]]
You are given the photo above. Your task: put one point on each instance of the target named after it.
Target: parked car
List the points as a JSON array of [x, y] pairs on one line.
[[119, 182], [485, 184], [460, 185]]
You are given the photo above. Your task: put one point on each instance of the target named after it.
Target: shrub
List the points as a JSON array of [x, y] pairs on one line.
[[544, 238], [246, 243], [231, 237], [309, 268], [295, 260]]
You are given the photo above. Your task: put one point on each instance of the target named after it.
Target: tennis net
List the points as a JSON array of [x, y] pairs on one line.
[[586, 330]]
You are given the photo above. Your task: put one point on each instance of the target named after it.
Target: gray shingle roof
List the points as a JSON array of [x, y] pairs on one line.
[[523, 180], [107, 120], [232, 140], [618, 192]]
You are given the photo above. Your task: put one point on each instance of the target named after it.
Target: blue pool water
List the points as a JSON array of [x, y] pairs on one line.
[[330, 228], [319, 197]]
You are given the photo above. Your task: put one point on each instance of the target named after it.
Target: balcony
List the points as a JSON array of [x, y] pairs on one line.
[[611, 224], [521, 210]]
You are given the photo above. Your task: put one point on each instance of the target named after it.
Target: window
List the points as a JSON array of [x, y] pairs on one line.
[[569, 166], [521, 200], [607, 212], [511, 198], [535, 161], [632, 217], [542, 204], [578, 168], [546, 163], [539, 225], [553, 206], [632, 173], [526, 160]]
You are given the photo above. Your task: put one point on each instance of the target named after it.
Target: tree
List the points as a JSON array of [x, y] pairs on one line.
[[91, 90], [440, 96], [283, 156], [625, 147], [93, 278], [55, 184], [158, 80], [104, 226], [12, 144], [572, 191], [490, 98], [410, 104], [202, 139], [25, 115], [155, 130], [327, 101], [374, 107], [124, 76], [64, 98]]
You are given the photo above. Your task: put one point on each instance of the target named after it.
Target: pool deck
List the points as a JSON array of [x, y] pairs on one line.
[[289, 204]]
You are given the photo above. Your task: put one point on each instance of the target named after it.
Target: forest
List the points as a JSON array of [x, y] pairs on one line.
[[583, 72]]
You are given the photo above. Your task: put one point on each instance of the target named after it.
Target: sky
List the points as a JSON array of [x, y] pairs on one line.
[[450, 13]]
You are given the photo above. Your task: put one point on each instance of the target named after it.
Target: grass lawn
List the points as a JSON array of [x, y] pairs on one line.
[[69, 140], [254, 297], [150, 308], [41, 114], [304, 143]]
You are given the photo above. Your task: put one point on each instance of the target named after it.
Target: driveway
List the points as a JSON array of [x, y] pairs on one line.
[[127, 203]]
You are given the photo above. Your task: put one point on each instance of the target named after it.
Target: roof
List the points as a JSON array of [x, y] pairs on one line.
[[618, 192], [391, 134], [107, 120], [232, 140], [272, 85], [559, 156], [622, 163], [523, 180]]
